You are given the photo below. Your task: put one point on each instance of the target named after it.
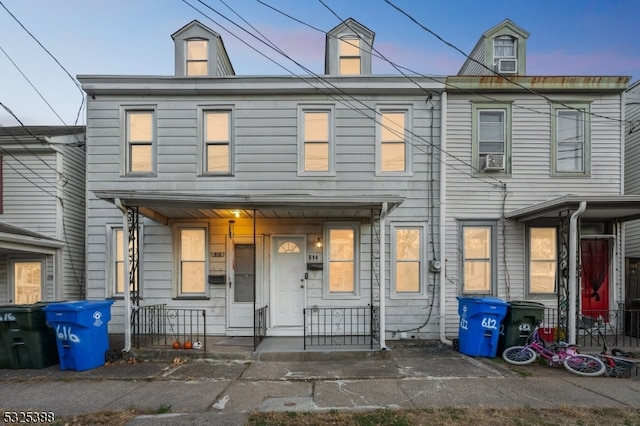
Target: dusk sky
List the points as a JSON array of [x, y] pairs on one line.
[[133, 37]]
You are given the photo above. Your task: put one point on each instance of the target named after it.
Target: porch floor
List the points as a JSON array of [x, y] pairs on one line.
[[241, 348]]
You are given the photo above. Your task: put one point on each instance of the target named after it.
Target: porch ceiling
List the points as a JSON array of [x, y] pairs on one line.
[[620, 207], [164, 207]]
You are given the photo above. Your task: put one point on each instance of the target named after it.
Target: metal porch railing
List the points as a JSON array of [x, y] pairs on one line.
[[340, 326], [259, 326], [158, 325], [615, 327]]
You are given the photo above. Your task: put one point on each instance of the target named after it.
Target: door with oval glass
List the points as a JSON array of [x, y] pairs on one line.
[[288, 269]]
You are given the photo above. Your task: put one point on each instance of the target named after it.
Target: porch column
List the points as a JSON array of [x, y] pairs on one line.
[[573, 271], [383, 322]]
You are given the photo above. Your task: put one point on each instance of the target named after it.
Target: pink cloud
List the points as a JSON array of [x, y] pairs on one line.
[[592, 63]]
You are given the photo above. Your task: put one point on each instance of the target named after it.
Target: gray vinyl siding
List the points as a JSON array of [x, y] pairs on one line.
[[632, 170], [472, 196], [30, 192], [72, 226], [265, 162], [475, 64]]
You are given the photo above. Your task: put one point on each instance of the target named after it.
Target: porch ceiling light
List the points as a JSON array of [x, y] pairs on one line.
[[236, 213], [319, 242]]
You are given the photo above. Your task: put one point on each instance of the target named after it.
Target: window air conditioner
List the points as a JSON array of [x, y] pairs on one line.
[[507, 66], [492, 162]]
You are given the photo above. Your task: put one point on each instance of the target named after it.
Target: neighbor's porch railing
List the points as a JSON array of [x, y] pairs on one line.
[[157, 325], [340, 326], [617, 327], [259, 326]]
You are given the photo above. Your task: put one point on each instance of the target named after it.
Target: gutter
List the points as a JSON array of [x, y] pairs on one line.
[[443, 210], [383, 321], [127, 290], [573, 262]]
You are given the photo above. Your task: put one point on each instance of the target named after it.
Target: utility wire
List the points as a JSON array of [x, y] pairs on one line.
[[332, 86], [52, 56], [32, 86], [493, 72]]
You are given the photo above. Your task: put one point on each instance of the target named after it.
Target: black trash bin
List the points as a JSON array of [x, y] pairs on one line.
[[26, 340], [519, 322]]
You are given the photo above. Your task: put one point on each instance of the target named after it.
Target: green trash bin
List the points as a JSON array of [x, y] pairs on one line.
[[26, 340], [519, 323]]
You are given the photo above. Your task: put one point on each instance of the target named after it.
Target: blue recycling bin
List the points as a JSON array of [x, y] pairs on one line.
[[81, 332], [480, 319]]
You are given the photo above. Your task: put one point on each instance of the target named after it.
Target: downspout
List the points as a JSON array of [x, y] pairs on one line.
[[443, 210], [383, 321], [127, 290], [573, 266]]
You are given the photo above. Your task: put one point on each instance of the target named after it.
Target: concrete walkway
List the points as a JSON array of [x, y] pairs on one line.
[[226, 391]]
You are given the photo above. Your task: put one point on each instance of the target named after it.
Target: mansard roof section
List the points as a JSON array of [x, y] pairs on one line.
[[481, 60], [350, 29], [217, 58]]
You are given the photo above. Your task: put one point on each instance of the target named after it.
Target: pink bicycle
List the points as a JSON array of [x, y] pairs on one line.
[[560, 353]]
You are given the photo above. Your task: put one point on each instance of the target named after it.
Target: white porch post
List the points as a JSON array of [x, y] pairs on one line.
[[383, 322], [573, 267], [127, 290]]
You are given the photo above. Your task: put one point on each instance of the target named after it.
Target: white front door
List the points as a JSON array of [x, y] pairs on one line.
[[288, 269], [243, 277]]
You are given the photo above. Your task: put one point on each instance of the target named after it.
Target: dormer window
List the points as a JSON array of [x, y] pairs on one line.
[[504, 55], [350, 56], [197, 57]]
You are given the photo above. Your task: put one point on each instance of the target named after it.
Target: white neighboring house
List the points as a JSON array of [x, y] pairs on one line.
[[42, 214], [632, 186], [315, 191], [534, 184]]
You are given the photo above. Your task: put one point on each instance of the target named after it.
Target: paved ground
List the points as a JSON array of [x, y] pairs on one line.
[[225, 391]]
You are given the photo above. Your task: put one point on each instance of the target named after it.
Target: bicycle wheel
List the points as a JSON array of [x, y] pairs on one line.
[[584, 365], [519, 355]]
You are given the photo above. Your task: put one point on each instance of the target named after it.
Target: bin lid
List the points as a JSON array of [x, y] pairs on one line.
[[486, 300], [525, 304], [80, 305], [13, 309]]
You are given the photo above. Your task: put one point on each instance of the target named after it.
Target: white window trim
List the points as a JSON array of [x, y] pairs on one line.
[[202, 145], [528, 260], [187, 60], [493, 225], [421, 293], [125, 159], [12, 271], [330, 109], [355, 226], [110, 232], [408, 146], [583, 107], [482, 107], [177, 287]]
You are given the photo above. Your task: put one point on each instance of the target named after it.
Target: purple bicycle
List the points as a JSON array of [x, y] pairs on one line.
[[556, 354]]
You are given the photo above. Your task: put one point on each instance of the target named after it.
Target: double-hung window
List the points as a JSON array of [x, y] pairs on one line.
[[197, 57], [407, 242], [316, 146], [393, 149], [191, 243], [478, 257], [571, 139], [491, 129], [140, 142], [217, 134], [350, 56], [504, 54], [342, 251], [542, 254], [116, 258]]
